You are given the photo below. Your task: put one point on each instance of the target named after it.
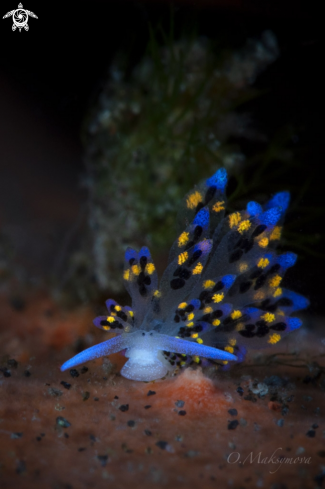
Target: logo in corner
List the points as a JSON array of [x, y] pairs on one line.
[[20, 18]]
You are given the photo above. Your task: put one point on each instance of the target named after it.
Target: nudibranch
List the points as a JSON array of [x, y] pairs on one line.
[[220, 294]]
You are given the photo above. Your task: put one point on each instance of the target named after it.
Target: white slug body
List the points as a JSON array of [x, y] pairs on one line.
[[146, 362], [220, 294]]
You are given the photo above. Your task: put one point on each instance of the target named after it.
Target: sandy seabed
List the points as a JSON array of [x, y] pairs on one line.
[[260, 424]]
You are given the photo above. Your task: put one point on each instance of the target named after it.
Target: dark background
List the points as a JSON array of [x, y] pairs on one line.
[[49, 75]]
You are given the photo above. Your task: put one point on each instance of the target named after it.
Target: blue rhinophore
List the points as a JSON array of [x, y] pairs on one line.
[[109, 303], [298, 301], [202, 218], [254, 209], [130, 253], [294, 323], [98, 320], [219, 179], [271, 216], [280, 199], [228, 280], [144, 252], [287, 259]]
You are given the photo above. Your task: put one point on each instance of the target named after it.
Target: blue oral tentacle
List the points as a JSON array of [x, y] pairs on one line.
[[177, 345], [108, 347]]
